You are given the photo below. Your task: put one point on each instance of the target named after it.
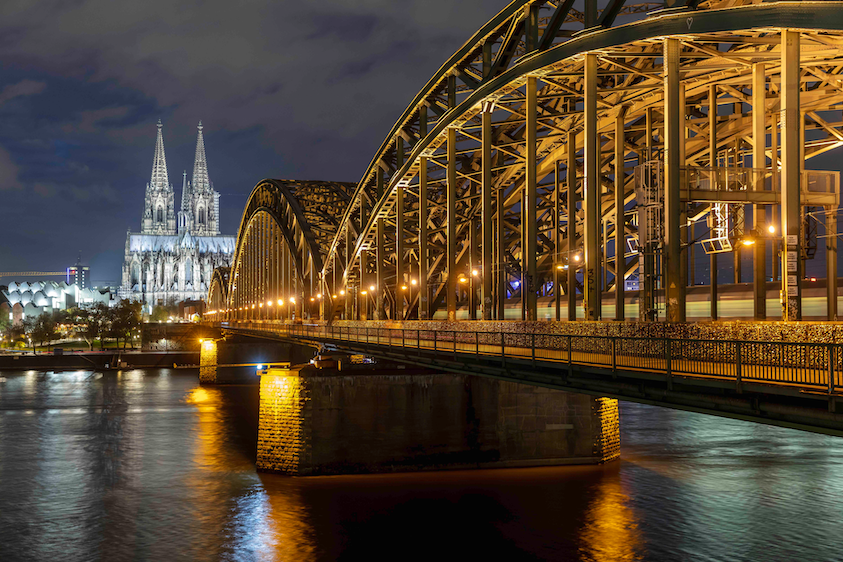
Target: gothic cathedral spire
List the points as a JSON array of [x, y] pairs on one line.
[[159, 215], [160, 180], [201, 182]]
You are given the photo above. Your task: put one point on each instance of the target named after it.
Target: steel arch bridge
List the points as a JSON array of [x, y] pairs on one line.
[[567, 150]]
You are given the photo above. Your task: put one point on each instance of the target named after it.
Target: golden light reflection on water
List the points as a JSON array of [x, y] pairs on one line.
[[610, 532]]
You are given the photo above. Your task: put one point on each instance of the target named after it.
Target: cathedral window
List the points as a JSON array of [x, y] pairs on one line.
[[160, 214], [201, 216]]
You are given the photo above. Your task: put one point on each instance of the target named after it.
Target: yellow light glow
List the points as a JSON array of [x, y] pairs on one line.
[[342, 291], [312, 299], [260, 305], [463, 280], [558, 267], [403, 287], [363, 292], [371, 287], [749, 242], [412, 281], [253, 306], [474, 272], [201, 340], [771, 229], [268, 303], [293, 300], [280, 302], [577, 257], [318, 295], [333, 296]]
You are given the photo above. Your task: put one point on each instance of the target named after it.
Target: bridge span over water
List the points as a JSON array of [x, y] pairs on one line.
[[574, 163]]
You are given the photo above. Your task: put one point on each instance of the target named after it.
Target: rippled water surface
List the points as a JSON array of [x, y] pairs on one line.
[[146, 465]]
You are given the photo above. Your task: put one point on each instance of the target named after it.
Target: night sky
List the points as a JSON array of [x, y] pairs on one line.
[[295, 90]]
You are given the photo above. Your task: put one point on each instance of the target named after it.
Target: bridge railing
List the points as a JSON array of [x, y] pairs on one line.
[[816, 366]]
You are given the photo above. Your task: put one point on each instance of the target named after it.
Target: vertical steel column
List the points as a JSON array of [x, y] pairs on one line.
[[620, 238], [591, 195], [673, 119], [759, 161], [423, 210], [486, 211], [831, 261], [501, 261], [791, 152], [531, 202], [557, 242], [684, 234], [400, 265], [571, 181], [348, 257], [451, 207], [380, 269], [775, 260], [712, 164]]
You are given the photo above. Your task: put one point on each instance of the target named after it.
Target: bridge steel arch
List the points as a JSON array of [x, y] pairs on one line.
[[564, 150], [218, 290], [283, 236]]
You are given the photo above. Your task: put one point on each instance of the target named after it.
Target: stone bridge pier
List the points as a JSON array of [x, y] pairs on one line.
[[358, 419], [235, 358]]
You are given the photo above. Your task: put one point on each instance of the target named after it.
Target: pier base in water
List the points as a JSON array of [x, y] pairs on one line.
[[328, 422]]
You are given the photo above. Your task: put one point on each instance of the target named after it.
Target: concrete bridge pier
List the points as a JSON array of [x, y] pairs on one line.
[[345, 421], [235, 359]]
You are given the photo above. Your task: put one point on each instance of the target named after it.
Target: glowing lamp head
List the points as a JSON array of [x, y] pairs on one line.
[[268, 303], [748, 241], [474, 272], [318, 295], [342, 291], [293, 300], [771, 229], [412, 282], [371, 287], [312, 299], [403, 287], [559, 267], [260, 305], [576, 257], [280, 302], [463, 280], [364, 292]]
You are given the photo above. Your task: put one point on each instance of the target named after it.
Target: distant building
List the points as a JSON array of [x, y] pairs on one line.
[[79, 275], [28, 299], [174, 255]]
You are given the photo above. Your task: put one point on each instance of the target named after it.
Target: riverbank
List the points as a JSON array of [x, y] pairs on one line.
[[109, 359]]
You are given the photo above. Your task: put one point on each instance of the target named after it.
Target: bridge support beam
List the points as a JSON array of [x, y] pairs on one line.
[[759, 161], [620, 237], [831, 261], [530, 226], [451, 208], [712, 163], [591, 195], [423, 212], [486, 212], [673, 128], [469, 422], [380, 269], [792, 268], [571, 186]]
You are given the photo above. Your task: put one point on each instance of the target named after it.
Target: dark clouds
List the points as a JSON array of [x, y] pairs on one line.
[[285, 89]]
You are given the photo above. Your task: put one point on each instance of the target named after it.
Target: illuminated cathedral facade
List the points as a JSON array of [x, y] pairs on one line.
[[174, 255]]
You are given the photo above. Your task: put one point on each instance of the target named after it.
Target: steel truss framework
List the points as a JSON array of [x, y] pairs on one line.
[[511, 174]]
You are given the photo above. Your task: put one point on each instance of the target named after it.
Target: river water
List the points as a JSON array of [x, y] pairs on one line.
[[146, 465]]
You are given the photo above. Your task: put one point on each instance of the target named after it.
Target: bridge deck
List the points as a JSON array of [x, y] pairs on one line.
[[785, 383]]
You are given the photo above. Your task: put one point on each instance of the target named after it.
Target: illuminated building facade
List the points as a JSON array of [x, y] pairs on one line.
[[174, 255]]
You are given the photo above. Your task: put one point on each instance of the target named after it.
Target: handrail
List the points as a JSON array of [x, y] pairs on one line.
[[810, 365]]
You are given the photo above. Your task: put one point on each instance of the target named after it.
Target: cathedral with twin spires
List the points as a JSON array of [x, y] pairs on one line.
[[174, 255]]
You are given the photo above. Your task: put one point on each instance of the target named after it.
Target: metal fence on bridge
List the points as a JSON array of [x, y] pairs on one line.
[[815, 367]]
